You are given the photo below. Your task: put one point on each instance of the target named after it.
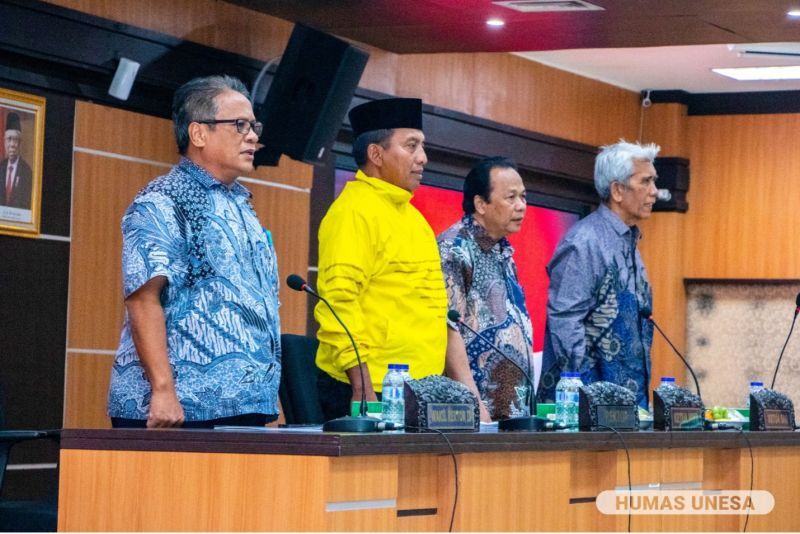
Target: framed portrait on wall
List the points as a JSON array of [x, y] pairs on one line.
[[22, 127]]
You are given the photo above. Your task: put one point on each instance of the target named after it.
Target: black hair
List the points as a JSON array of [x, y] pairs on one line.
[[478, 181], [362, 142]]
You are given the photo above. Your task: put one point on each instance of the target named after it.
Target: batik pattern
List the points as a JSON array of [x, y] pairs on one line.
[[482, 285], [599, 301], [220, 302]]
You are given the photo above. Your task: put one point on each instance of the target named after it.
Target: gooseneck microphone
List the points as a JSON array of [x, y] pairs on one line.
[[794, 320], [645, 313], [362, 423], [530, 423]]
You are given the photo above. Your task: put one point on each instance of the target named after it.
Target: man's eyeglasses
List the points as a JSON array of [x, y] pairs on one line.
[[243, 126]]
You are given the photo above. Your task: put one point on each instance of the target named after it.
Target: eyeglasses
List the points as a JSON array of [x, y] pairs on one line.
[[243, 126]]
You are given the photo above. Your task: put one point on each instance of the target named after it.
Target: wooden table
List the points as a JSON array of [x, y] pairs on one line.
[[281, 480]]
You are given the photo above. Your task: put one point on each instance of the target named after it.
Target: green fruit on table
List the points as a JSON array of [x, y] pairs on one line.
[[719, 412]]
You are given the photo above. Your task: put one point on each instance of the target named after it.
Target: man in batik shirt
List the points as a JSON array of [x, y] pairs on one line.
[[482, 286], [599, 296], [201, 341]]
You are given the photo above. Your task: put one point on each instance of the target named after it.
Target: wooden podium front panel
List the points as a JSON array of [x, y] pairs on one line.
[[183, 491], [523, 491], [777, 470]]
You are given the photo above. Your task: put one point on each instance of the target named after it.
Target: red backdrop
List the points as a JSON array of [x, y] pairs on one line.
[[533, 245]]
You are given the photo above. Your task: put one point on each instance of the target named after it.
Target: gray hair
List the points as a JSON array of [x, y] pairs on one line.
[[615, 163], [372, 137], [196, 100]]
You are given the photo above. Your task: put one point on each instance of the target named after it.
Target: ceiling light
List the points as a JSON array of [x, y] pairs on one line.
[[791, 72], [794, 13], [495, 23], [546, 6]]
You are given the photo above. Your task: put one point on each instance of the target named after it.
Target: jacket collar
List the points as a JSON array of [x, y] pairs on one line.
[[396, 195]]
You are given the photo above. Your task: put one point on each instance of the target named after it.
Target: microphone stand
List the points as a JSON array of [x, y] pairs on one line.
[[794, 320], [696, 383], [361, 423], [525, 423]]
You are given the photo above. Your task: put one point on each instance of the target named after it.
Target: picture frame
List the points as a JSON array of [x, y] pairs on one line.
[[22, 121]]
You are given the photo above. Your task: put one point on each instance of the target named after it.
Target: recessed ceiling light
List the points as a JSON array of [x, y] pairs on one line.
[[794, 13], [789, 72], [495, 23]]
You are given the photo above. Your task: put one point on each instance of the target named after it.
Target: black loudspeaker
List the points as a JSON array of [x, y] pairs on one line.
[[604, 404], [440, 403], [673, 175], [770, 410], [308, 97]]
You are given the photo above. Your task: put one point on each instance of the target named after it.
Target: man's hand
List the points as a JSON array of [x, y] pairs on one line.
[[485, 417], [457, 368], [354, 375], [165, 410]]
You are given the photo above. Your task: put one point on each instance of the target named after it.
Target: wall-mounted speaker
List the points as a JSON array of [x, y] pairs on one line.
[[124, 77], [673, 175], [308, 97]]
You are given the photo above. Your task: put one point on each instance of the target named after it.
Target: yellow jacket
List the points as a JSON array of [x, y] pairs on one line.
[[379, 268]]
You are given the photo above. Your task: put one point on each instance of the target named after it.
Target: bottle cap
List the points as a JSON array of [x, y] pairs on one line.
[[668, 379], [757, 384]]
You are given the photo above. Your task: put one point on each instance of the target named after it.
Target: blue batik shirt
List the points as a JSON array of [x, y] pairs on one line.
[[597, 307], [220, 302], [483, 287]]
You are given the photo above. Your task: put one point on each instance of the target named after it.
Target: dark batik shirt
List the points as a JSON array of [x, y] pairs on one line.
[[597, 307], [482, 285]]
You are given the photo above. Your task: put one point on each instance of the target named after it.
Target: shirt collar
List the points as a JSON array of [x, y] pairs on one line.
[[395, 194], [482, 237], [201, 176], [616, 223]]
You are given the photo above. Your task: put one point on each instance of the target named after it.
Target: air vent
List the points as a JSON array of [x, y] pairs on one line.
[[548, 6]]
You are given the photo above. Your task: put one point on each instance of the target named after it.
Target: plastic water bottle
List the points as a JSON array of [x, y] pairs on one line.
[[573, 398], [667, 382], [404, 372], [393, 405], [754, 386], [567, 398]]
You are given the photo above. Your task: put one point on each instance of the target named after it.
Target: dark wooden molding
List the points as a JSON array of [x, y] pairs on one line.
[[752, 103], [325, 444]]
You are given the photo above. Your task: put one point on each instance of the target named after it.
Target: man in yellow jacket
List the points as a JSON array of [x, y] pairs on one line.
[[379, 263]]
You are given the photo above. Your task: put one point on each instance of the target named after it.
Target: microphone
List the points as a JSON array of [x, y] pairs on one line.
[[362, 423], [794, 319], [646, 314], [530, 423]]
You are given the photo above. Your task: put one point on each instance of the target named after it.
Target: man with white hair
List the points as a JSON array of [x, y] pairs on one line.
[[599, 296]]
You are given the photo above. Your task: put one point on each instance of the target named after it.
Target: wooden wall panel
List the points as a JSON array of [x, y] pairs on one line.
[[125, 133], [666, 125], [446, 80], [209, 22], [102, 190], [529, 95], [87, 389], [512, 90], [285, 213], [742, 223], [663, 238]]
